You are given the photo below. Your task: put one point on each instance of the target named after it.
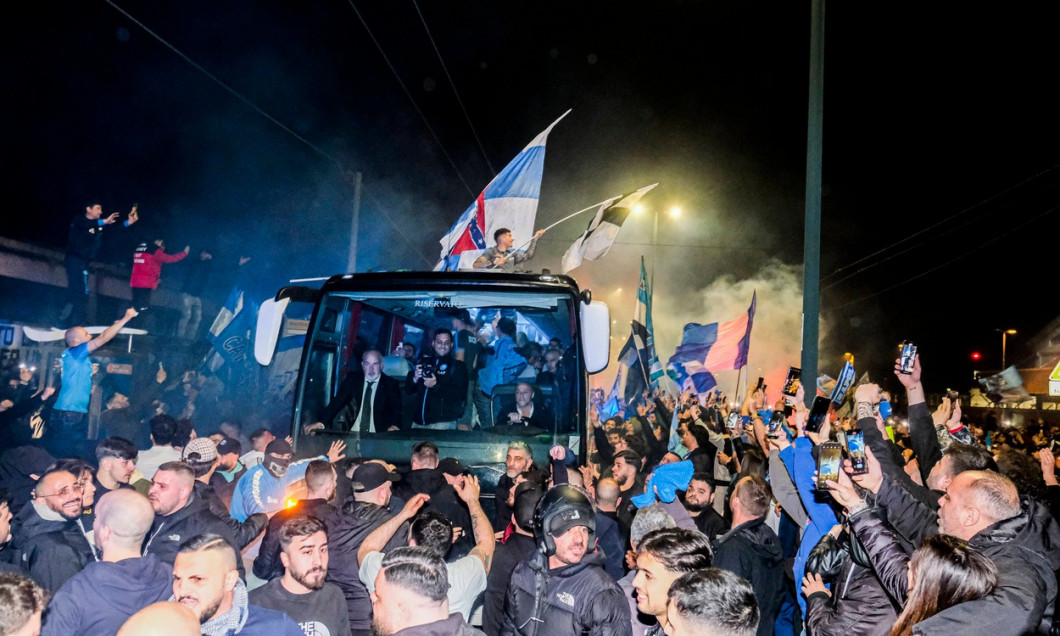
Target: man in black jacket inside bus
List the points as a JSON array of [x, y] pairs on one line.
[[440, 383]]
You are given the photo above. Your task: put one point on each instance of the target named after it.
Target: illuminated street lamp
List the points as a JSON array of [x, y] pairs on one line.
[[1005, 333]]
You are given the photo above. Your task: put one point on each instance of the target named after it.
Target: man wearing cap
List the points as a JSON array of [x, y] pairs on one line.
[[561, 589], [264, 487], [438, 480], [428, 529], [320, 481], [229, 470], [372, 484]]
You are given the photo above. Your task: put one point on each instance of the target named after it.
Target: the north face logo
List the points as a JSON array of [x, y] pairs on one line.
[[174, 537], [565, 598]]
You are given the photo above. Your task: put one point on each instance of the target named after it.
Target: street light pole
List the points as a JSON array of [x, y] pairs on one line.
[[1005, 333]]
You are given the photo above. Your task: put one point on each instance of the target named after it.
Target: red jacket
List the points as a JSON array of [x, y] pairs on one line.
[[147, 266]]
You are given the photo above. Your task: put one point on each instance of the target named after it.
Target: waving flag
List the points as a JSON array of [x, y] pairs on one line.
[[510, 201], [603, 229], [714, 347]]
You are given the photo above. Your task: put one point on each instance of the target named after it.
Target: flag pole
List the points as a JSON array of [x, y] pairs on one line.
[[511, 253]]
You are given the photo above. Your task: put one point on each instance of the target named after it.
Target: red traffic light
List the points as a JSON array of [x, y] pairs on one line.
[[976, 355]]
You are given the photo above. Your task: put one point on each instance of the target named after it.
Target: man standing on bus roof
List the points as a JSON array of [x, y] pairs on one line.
[[375, 399], [500, 257]]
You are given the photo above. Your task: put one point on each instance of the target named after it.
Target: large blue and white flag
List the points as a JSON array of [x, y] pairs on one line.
[[714, 347], [614, 403], [232, 331], [510, 201], [843, 383], [631, 357]]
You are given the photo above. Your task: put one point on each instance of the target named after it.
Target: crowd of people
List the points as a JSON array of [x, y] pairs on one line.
[[689, 516]]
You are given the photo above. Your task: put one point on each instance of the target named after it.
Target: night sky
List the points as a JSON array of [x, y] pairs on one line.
[[938, 120]]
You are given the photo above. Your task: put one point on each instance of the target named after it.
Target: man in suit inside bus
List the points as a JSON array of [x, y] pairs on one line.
[[373, 400]]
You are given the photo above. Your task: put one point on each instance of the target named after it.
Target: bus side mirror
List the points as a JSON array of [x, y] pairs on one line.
[[270, 319], [596, 335]]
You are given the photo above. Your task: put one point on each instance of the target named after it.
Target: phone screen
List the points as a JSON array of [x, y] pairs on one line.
[[828, 460], [791, 384], [818, 411], [856, 452]]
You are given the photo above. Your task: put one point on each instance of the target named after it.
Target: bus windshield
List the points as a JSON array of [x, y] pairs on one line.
[[473, 366]]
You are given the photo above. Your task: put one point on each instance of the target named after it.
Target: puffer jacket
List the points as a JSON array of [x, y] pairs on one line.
[[858, 605], [1026, 551], [346, 533], [431, 481], [575, 600]]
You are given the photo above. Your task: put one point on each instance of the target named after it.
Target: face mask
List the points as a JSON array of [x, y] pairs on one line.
[[277, 467]]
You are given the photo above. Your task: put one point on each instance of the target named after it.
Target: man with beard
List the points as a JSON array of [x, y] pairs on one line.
[[411, 597], [440, 384], [662, 557], [99, 598], [180, 515], [520, 457], [205, 581], [320, 481], [51, 538], [302, 593], [699, 502], [264, 487], [561, 589], [624, 470]]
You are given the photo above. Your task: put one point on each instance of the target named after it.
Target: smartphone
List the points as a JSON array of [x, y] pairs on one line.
[[761, 383], [856, 452], [775, 422], [818, 412], [829, 456], [907, 358], [791, 384]]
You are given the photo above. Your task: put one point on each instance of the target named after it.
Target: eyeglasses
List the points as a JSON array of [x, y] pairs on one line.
[[66, 490]]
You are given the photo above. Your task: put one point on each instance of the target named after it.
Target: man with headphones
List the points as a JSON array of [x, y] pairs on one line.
[[562, 589]]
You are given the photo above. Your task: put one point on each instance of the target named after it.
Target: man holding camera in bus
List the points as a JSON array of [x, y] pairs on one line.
[[440, 382]]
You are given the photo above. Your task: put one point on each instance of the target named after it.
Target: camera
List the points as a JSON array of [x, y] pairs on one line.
[[426, 365]]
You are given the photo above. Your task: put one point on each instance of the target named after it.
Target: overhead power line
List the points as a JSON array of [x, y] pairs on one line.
[[263, 113], [455, 92], [415, 106], [931, 227], [952, 260]]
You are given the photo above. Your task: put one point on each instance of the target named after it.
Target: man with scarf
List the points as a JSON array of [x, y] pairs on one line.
[[263, 488], [206, 581]]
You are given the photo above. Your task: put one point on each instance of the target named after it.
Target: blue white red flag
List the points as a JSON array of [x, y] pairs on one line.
[[714, 347], [510, 201]]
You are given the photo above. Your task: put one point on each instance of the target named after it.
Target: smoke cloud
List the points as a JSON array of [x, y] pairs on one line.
[[775, 337]]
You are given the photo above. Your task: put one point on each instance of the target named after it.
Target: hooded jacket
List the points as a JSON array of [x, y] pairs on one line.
[[51, 550], [574, 600], [100, 598], [753, 551], [345, 537], [431, 481]]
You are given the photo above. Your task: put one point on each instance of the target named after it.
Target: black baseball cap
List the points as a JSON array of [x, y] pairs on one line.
[[371, 475], [229, 445], [452, 466]]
